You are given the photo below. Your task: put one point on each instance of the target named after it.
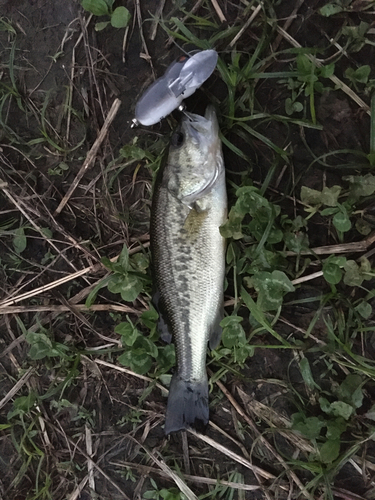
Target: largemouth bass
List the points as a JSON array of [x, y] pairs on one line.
[[188, 207]]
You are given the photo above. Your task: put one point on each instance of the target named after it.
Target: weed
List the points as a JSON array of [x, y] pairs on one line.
[[300, 272], [119, 17]]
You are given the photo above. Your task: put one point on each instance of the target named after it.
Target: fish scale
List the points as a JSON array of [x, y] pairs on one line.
[[189, 261]]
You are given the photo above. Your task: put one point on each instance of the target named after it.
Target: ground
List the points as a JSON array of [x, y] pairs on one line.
[[82, 368]]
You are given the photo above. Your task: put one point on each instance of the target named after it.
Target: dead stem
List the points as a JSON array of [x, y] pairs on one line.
[[91, 155]]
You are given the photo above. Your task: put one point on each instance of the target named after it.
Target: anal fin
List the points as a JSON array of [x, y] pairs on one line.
[[162, 326], [216, 330]]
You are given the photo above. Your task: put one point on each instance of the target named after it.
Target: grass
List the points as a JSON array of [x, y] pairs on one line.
[[84, 375]]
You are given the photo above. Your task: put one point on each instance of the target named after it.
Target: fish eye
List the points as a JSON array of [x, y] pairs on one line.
[[177, 139]]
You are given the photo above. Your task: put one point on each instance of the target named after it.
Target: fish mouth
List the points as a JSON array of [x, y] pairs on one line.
[[198, 126]]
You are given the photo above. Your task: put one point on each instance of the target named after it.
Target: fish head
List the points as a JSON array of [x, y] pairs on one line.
[[195, 157]]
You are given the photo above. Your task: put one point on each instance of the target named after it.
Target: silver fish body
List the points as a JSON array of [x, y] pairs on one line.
[[189, 205]]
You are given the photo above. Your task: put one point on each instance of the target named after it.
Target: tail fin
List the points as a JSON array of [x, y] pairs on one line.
[[187, 405]]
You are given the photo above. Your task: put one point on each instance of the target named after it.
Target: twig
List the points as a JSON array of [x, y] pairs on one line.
[[90, 463], [130, 372], [91, 155], [38, 229], [353, 247], [341, 85], [264, 441], [155, 22], [234, 456], [22, 381], [147, 470], [218, 11], [309, 277], [58, 308], [49, 286], [90, 269], [246, 25]]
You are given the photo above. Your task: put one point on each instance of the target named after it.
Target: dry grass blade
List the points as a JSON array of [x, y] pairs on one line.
[[91, 155], [49, 286], [147, 470], [278, 457], [90, 269], [78, 490], [130, 372], [155, 22], [234, 456], [90, 464], [170, 473], [246, 25], [352, 247], [18, 204], [218, 11], [65, 308], [21, 382], [308, 277], [341, 85]]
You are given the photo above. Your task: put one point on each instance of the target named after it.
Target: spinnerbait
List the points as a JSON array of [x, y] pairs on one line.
[[183, 77]]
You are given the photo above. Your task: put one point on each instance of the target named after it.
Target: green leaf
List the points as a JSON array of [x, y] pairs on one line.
[[330, 451], [371, 413], [342, 222], [332, 272], [341, 409], [123, 258], [328, 196], [41, 345], [149, 318], [353, 275], [128, 332], [296, 241], [233, 333], [19, 241], [362, 73], [120, 17], [132, 152], [100, 26], [292, 106], [128, 285], [271, 288], [351, 391], [141, 363], [22, 405], [306, 373], [360, 185], [92, 295], [364, 309], [330, 9], [233, 227], [259, 316], [328, 70], [167, 357], [146, 345], [96, 7], [140, 262], [309, 427], [138, 362], [335, 428], [363, 227]]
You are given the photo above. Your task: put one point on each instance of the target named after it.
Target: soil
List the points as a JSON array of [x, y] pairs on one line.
[[110, 207]]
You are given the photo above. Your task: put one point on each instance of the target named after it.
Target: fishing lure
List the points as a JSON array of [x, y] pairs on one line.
[[182, 78]]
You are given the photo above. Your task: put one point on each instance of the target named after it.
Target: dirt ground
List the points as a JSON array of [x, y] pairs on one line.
[[61, 78]]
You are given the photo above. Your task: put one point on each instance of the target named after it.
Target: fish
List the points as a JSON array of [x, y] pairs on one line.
[[189, 205]]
